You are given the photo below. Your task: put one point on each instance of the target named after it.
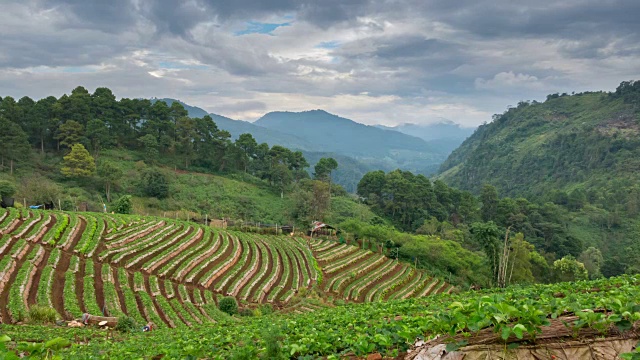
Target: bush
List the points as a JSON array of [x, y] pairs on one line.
[[7, 189], [229, 305], [246, 312], [155, 184], [124, 205], [126, 324], [272, 338], [266, 309], [39, 314]]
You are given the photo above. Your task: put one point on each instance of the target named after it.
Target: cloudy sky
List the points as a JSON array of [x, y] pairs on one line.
[[377, 62]]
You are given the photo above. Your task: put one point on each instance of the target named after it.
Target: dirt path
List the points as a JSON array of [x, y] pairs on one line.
[[80, 284], [265, 275], [267, 291], [19, 260], [139, 304], [230, 250], [240, 272], [289, 282], [57, 288], [402, 287], [98, 287], [387, 276], [158, 249], [119, 292], [159, 311], [181, 301], [192, 259], [152, 269], [32, 291]]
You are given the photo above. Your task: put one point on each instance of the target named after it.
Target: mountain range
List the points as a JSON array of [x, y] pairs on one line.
[[358, 148]]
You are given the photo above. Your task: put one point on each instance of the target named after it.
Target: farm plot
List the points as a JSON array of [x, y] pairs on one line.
[[172, 272]]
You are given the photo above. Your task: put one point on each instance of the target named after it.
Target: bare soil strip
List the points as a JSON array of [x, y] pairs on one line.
[[264, 276], [116, 283], [8, 280], [34, 278], [268, 289], [242, 270], [387, 276], [98, 287], [57, 288], [80, 284], [159, 311]]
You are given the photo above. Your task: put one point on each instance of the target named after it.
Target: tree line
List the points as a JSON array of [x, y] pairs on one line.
[[98, 121]]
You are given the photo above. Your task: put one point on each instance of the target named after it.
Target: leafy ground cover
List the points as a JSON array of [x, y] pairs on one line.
[[360, 329]]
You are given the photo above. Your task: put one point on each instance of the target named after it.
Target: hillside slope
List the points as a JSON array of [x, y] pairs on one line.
[[445, 135], [173, 272], [378, 148], [587, 141]]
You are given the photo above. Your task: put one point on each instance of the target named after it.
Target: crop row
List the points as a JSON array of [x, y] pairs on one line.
[[172, 272]]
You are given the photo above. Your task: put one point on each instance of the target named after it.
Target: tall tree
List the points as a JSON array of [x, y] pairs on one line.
[[14, 144], [248, 145], [110, 174], [98, 135], [489, 199], [323, 169], [185, 138], [78, 163], [70, 133]]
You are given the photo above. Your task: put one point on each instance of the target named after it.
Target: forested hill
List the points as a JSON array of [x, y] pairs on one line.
[[583, 142]]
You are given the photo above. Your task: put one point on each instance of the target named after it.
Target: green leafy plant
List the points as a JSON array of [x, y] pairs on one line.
[[228, 305]]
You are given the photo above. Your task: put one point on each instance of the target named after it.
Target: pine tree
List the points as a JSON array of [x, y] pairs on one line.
[[78, 163]]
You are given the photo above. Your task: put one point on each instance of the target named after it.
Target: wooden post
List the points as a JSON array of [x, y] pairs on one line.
[[205, 219]]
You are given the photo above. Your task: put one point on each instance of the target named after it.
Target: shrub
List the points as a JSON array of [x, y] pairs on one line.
[[155, 184], [7, 189], [246, 312], [229, 305], [126, 324], [272, 338], [266, 309], [39, 314], [123, 205]]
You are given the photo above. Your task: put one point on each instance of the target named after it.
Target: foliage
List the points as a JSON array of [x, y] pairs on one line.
[[123, 205], [324, 167], [7, 188], [155, 184], [569, 269], [515, 315], [578, 152], [78, 163], [39, 314], [126, 324], [228, 305], [110, 173]]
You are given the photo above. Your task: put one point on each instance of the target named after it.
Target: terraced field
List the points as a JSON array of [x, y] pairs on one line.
[[172, 272]]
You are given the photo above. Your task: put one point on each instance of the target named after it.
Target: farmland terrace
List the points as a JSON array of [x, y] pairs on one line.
[[173, 272]]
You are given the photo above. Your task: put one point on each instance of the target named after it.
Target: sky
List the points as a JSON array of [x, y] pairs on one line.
[[376, 62]]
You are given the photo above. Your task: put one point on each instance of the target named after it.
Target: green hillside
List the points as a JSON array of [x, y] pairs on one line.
[[580, 153], [585, 141]]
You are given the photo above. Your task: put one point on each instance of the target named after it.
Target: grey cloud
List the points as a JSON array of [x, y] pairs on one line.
[[111, 16], [239, 107]]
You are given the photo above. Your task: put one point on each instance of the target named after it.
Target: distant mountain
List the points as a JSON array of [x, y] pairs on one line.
[[238, 127], [358, 148], [445, 135], [374, 148]]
